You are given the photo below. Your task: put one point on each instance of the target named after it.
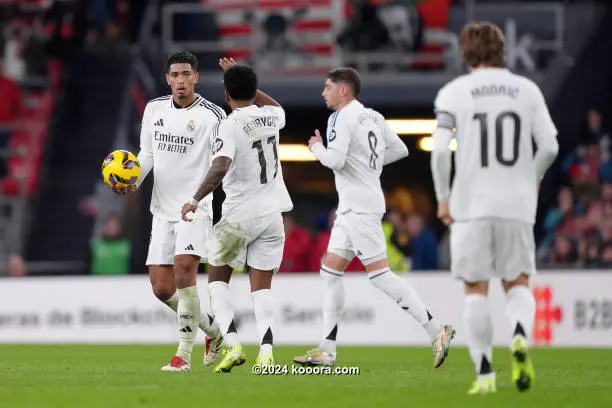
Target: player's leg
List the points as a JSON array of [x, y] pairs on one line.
[[190, 250], [516, 256], [218, 285], [339, 255], [188, 310], [264, 256], [404, 295], [160, 260], [263, 302], [225, 252], [472, 262], [162, 284], [370, 245]]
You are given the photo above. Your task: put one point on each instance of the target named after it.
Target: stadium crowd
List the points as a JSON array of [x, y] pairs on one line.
[[578, 230]]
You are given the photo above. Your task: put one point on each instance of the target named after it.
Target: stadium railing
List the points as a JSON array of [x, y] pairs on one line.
[[310, 38]]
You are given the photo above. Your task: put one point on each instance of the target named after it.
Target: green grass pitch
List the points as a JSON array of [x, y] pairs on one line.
[[130, 376]]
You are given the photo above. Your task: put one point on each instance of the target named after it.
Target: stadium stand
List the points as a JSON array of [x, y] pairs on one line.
[[30, 85], [407, 42]]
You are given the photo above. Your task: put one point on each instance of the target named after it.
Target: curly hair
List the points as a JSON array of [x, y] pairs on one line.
[[482, 43]]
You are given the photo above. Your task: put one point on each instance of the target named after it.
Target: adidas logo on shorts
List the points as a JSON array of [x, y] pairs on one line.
[[189, 248]]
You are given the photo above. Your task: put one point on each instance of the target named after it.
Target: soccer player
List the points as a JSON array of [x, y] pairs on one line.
[[245, 158], [174, 143], [492, 208], [359, 144]]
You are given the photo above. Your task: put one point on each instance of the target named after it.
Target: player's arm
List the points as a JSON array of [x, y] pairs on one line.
[[545, 135], [261, 98], [441, 155], [223, 148], [395, 149], [338, 142], [145, 155]]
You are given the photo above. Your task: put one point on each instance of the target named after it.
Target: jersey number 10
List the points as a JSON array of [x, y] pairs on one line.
[[263, 175], [499, 145]]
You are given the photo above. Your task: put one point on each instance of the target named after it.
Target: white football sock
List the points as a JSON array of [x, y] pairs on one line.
[[479, 328], [207, 323], [521, 308], [264, 317], [223, 311], [188, 311], [333, 307], [406, 297]]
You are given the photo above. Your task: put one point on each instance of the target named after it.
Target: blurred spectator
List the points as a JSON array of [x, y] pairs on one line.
[[10, 109], [110, 254], [588, 251], [423, 244], [14, 65], [298, 244], [404, 23], [557, 216], [564, 251], [584, 173], [319, 248], [394, 228], [366, 31], [606, 255], [595, 133], [605, 228], [16, 266]]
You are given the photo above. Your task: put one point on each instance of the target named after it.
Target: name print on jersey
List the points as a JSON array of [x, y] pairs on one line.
[[262, 122], [495, 90], [172, 143]]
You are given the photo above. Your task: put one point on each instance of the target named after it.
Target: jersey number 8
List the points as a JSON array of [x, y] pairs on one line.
[[263, 175], [499, 126]]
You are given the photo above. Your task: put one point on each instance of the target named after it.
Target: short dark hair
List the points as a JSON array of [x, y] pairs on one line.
[[240, 82], [348, 76], [482, 43], [182, 57]]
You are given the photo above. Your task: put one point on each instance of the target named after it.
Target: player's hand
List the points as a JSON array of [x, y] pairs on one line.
[[315, 139], [124, 190], [187, 208], [226, 63], [444, 213]]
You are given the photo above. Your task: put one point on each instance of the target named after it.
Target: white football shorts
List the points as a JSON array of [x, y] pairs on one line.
[[170, 238], [488, 248], [358, 234], [257, 242]]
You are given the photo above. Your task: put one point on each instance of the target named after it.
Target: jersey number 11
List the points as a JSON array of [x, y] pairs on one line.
[[263, 175]]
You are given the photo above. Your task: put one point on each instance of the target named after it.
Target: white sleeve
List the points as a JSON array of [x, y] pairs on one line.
[[338, 141], [441, 155], [279, 112], [545, 135], [445, 107], [223, 144], [395, 149], [145, 155]]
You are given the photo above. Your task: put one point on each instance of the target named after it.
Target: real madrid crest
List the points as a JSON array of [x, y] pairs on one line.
[[332, 136], [191, 126]]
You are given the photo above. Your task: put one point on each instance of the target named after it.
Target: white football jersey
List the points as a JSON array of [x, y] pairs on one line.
[[175, 143], [359, 144], [254, 184], [495, 115]]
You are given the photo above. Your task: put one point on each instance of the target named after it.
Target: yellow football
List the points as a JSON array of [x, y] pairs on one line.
[[120, 169]]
